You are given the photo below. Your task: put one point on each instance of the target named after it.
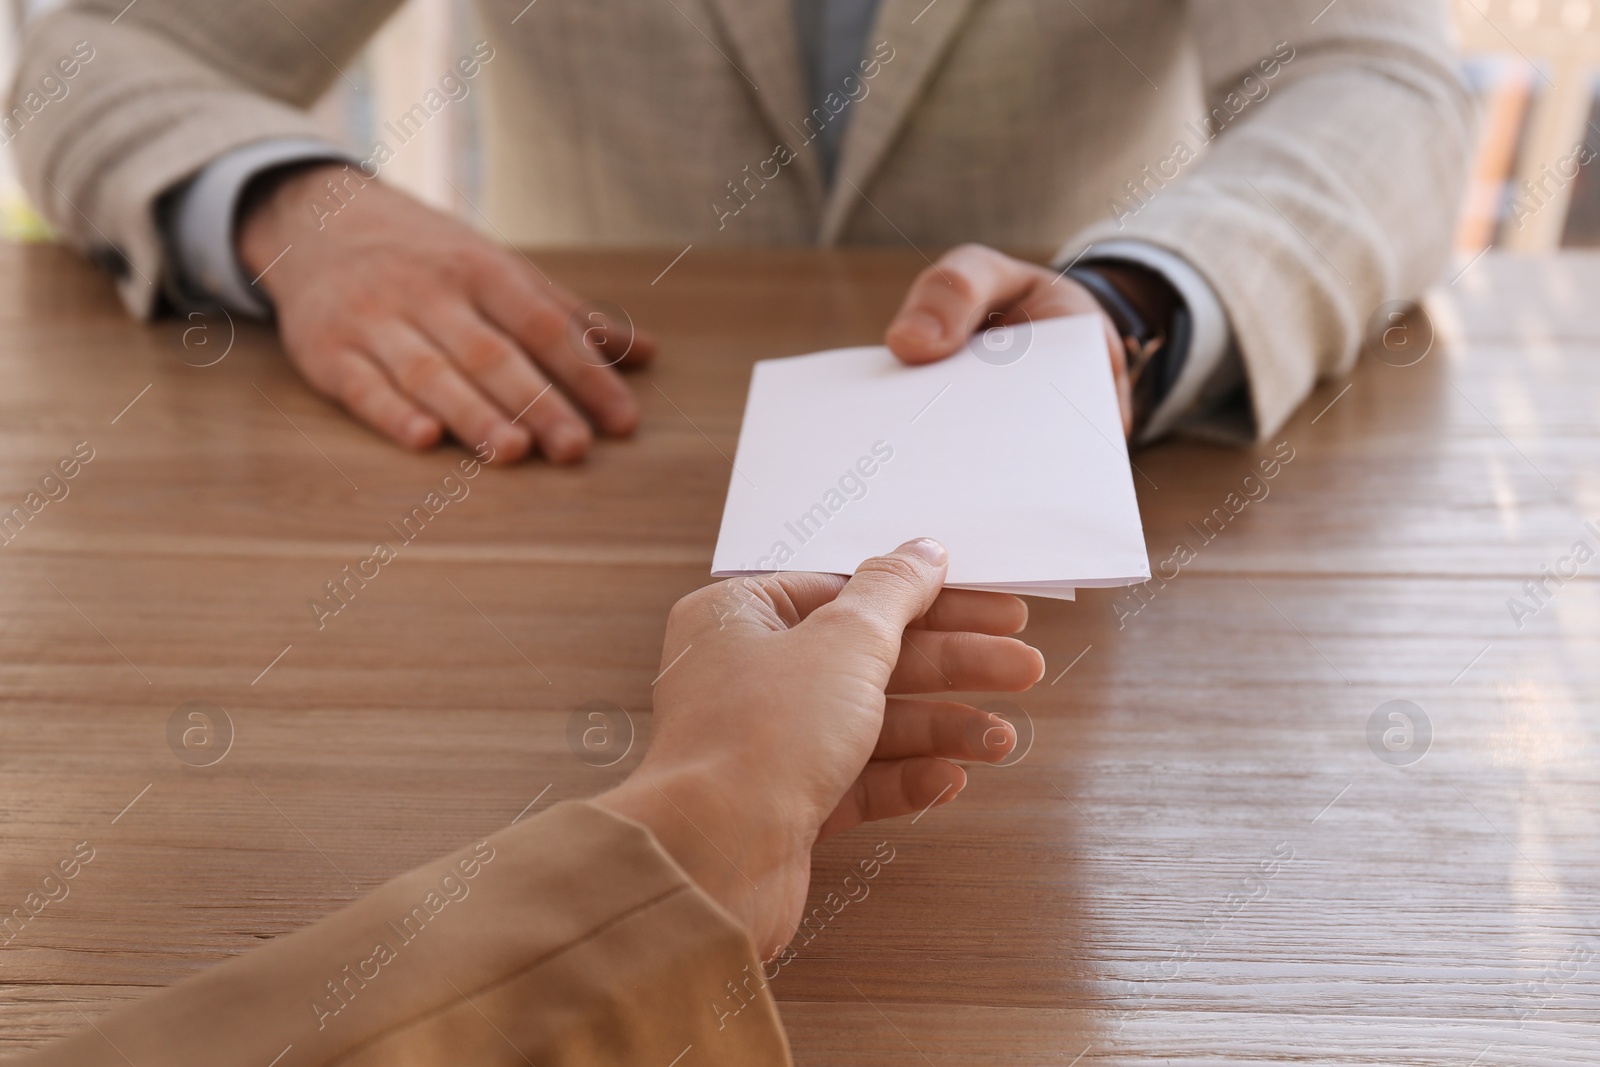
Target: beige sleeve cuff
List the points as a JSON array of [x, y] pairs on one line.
[[139, 116], [569, 938]]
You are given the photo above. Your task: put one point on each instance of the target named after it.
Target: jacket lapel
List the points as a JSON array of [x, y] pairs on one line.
[[919, 32], [766, 52]]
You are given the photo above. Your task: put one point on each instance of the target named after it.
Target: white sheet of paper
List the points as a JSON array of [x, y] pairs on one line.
[[1011, 452]]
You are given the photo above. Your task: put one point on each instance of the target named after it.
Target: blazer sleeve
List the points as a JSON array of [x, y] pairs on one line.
[[168, 86], [570, 939], [1331, 189]]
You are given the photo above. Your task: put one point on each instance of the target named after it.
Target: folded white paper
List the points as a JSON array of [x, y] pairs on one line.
[[1011, 452]]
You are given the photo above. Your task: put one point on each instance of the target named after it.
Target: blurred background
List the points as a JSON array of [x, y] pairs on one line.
[[407, 58], [1534, 66]]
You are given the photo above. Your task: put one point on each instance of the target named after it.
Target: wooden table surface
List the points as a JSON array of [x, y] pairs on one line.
[[1202, 858]]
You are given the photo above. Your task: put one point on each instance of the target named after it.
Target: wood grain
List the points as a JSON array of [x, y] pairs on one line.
[[1092, 903]]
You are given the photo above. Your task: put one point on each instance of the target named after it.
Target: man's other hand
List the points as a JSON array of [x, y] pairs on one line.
[[975, 288], [417, 324]]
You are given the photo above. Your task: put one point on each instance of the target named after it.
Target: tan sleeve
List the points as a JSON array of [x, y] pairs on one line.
[[568, 939], [1332, 194], [160, 89]]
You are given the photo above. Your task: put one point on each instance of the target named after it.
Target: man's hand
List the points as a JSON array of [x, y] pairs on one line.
[[974, 288], [772, 730], [417, 324]]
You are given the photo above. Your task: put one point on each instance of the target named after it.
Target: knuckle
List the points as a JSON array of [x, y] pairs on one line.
[[538, 322], [958, 279], [892, 578], [865, 623], [898, 569], [482, 354], [356, 392], [368, 305], [418, 372], [974, 251], [692, 609], [546, 322], [463, 264], [934, 275], [683, 606]]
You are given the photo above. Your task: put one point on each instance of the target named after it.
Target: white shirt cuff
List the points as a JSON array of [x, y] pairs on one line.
[[1211, 367], [203, 218]]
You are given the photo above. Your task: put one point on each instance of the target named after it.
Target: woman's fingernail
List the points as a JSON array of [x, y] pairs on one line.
[[927, 548]]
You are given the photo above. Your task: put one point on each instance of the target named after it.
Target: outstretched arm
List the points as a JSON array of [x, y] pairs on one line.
[[611, 930]]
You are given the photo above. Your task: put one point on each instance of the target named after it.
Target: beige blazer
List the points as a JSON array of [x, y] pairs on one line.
[[568, 940], [1304, 157]]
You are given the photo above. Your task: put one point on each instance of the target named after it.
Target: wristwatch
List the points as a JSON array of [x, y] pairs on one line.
[[1152, 320]]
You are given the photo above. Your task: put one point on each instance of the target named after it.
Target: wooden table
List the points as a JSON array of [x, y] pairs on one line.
[[1200, 860]]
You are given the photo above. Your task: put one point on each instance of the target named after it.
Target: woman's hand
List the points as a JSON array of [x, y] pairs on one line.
[[773, 730]]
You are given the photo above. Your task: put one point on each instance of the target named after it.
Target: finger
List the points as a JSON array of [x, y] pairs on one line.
[[1064, 296], [531, 314], [621, 344], [425, 376], [952, 297], [639, 347], [783, 599], [883, 596], [505, 375], [1053, 296], [934, 662], [887, 788], [1119, 373], [373, 399], [979, 612], [793, 595], [943, 729]]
